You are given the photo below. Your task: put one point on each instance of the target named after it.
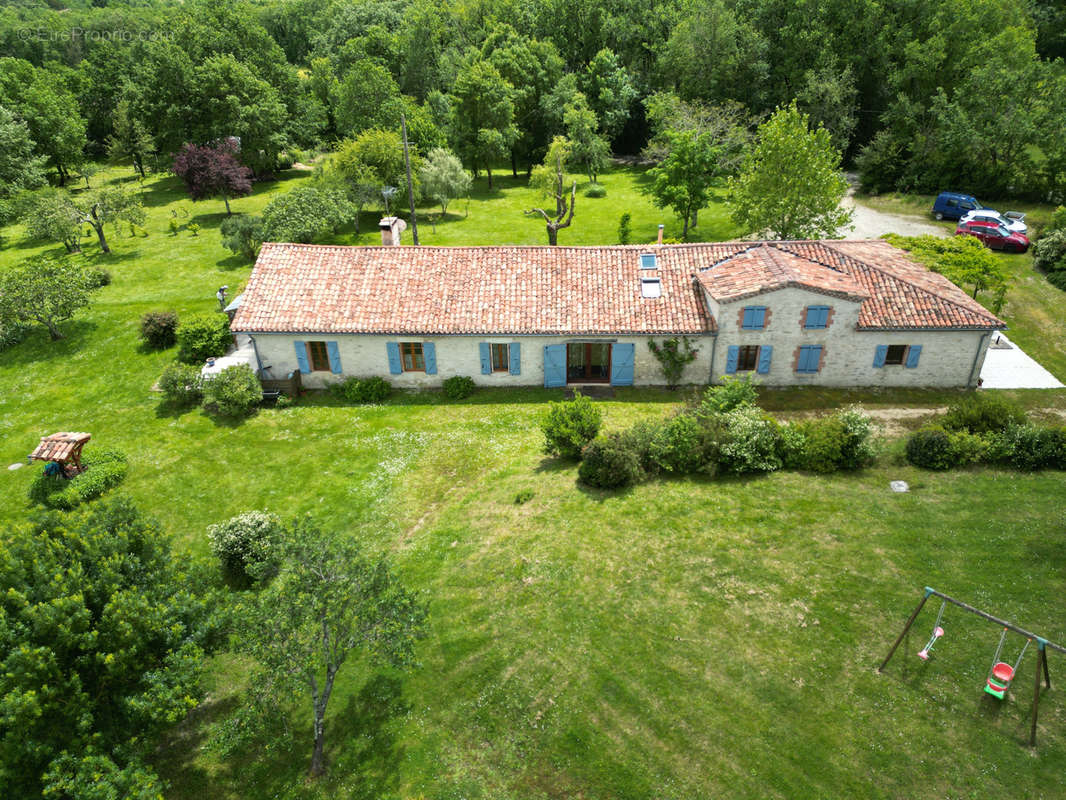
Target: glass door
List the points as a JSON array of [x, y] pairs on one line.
[[588, 362]]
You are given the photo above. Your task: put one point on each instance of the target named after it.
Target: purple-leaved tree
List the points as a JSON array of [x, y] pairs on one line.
[[212, 171]]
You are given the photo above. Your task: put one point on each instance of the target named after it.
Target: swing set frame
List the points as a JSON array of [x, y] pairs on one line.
[[1043, 645]]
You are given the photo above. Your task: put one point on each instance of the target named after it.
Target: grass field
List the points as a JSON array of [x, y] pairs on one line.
[[683, 639]]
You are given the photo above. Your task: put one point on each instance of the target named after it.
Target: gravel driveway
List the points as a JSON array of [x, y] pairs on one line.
[[868, 223]]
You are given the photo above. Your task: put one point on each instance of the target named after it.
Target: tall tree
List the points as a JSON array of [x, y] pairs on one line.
[[53, 217], [304, 214], [367, 98], [610, 91], [109, 204], [729, 126], [683, 180], [330, 602], [51, 112], [482, 115], [549, 178], [830, 97], [790, 185], [102, 636], [130, 138], [44, 290], [372, 160], [587, 147], [19, 167], [212, 171], [443, 178]]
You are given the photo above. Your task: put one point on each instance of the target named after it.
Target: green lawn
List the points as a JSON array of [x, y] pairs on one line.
[[683, 639]]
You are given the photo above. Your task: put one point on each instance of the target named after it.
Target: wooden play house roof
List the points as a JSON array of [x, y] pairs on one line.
[[61, 447]]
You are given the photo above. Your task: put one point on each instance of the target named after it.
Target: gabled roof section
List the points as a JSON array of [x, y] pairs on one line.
[[764, 268], [302, 288]]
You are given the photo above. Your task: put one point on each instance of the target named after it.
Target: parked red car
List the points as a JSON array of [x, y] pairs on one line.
[[994, 235]]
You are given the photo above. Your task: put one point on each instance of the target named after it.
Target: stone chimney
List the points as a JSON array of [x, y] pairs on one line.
[[661, 226], [391, 228]]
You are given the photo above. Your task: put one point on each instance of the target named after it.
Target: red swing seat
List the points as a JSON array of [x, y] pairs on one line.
[[1003, 672]]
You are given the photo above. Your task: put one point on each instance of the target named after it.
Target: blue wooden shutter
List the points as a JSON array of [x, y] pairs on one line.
[[486, 358], [809, 357], [731, 359], [554, 365], [395, 365], [622, 356], [880, 354], [429, 353], [515, 355], [301, 358], [765, 354], [914, 352], [334, 357], [817, 316], [754, 318]]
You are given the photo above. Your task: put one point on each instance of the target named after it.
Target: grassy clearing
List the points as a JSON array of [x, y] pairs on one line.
[[683, 639]]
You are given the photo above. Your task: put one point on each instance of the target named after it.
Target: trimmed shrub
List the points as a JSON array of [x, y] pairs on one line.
[[683, 445], [246, 546], [234, 392], [983, 412], [731, 393], [1029, 448], [104, 469], [608, 462], [181, 385], [242, 235], [1049, 254], [96, 277], [458, 387], [362, 390], [159, 329], [752, 442], [931, 448], [968, 448], [595, 190], [828, 444], [570, 425], [202, 336]]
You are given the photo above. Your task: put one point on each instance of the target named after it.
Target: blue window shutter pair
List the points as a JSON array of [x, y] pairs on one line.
[[765, 354], [485, 351], [731, 359], [395, 365], [622, 357], [754, 318], [809, 358], [301, 357], [554, 365], [515, 353], [880, 354], [817, 317], [914, 352], [429, 354]]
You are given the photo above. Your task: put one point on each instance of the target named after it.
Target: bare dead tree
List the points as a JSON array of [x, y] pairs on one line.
[[564, 209]]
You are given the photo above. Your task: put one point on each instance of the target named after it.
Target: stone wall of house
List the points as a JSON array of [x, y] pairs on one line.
[[366, 355], [847, 358]]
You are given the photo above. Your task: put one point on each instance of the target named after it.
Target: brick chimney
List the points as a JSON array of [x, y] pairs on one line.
[[391, 228], [661, 226]]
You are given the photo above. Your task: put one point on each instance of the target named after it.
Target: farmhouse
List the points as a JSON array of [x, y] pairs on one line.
[[831, 313]]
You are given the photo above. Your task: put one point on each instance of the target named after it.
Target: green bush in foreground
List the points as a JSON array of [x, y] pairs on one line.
[[983, 412], [362, 390], [570, 425], [931, 448], [458, 387], [181, 385], [828, 444], [234, 392], [609, 462], [104, 469], [752, 442], [159, 329], [203, 336], [247, 546]]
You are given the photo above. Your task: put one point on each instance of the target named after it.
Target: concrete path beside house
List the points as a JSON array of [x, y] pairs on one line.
[[1007, 367], [868, 223]]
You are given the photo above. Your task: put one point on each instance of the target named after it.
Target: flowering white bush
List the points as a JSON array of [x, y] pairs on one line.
[[246, 545], [751, 443]]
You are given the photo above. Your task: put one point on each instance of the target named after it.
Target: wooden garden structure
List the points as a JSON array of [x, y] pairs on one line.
[[63, 448]]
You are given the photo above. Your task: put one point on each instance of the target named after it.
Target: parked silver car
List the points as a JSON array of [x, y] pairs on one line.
[[1013, 221]]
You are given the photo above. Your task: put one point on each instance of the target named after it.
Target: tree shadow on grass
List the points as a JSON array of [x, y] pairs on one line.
[[175, 757], [554, 464], [233, 262], [38, 346]]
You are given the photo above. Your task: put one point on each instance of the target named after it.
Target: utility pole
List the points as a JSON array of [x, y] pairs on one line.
[[410, 184]]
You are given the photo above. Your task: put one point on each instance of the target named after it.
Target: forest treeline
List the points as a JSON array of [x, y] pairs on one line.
[[919, 97]]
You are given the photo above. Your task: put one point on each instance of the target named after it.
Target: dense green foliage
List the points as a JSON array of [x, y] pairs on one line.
[[43, 290], [964, 260], [362, 390], [159, 329], [242, 235], [181, 385], [983, 412], [103, 635], [569, 425], [247, 546], [202, 336], [608, 462], [234, 392], [458, 387], [104, 469]]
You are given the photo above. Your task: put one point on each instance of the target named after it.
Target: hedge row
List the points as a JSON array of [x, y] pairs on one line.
[[104, 469]]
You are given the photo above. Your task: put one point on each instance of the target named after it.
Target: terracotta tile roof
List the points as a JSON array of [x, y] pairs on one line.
[[298, 288], [763, 267], [457, 290]]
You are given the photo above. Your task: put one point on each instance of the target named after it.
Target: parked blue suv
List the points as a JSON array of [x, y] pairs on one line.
[[952, 205]]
